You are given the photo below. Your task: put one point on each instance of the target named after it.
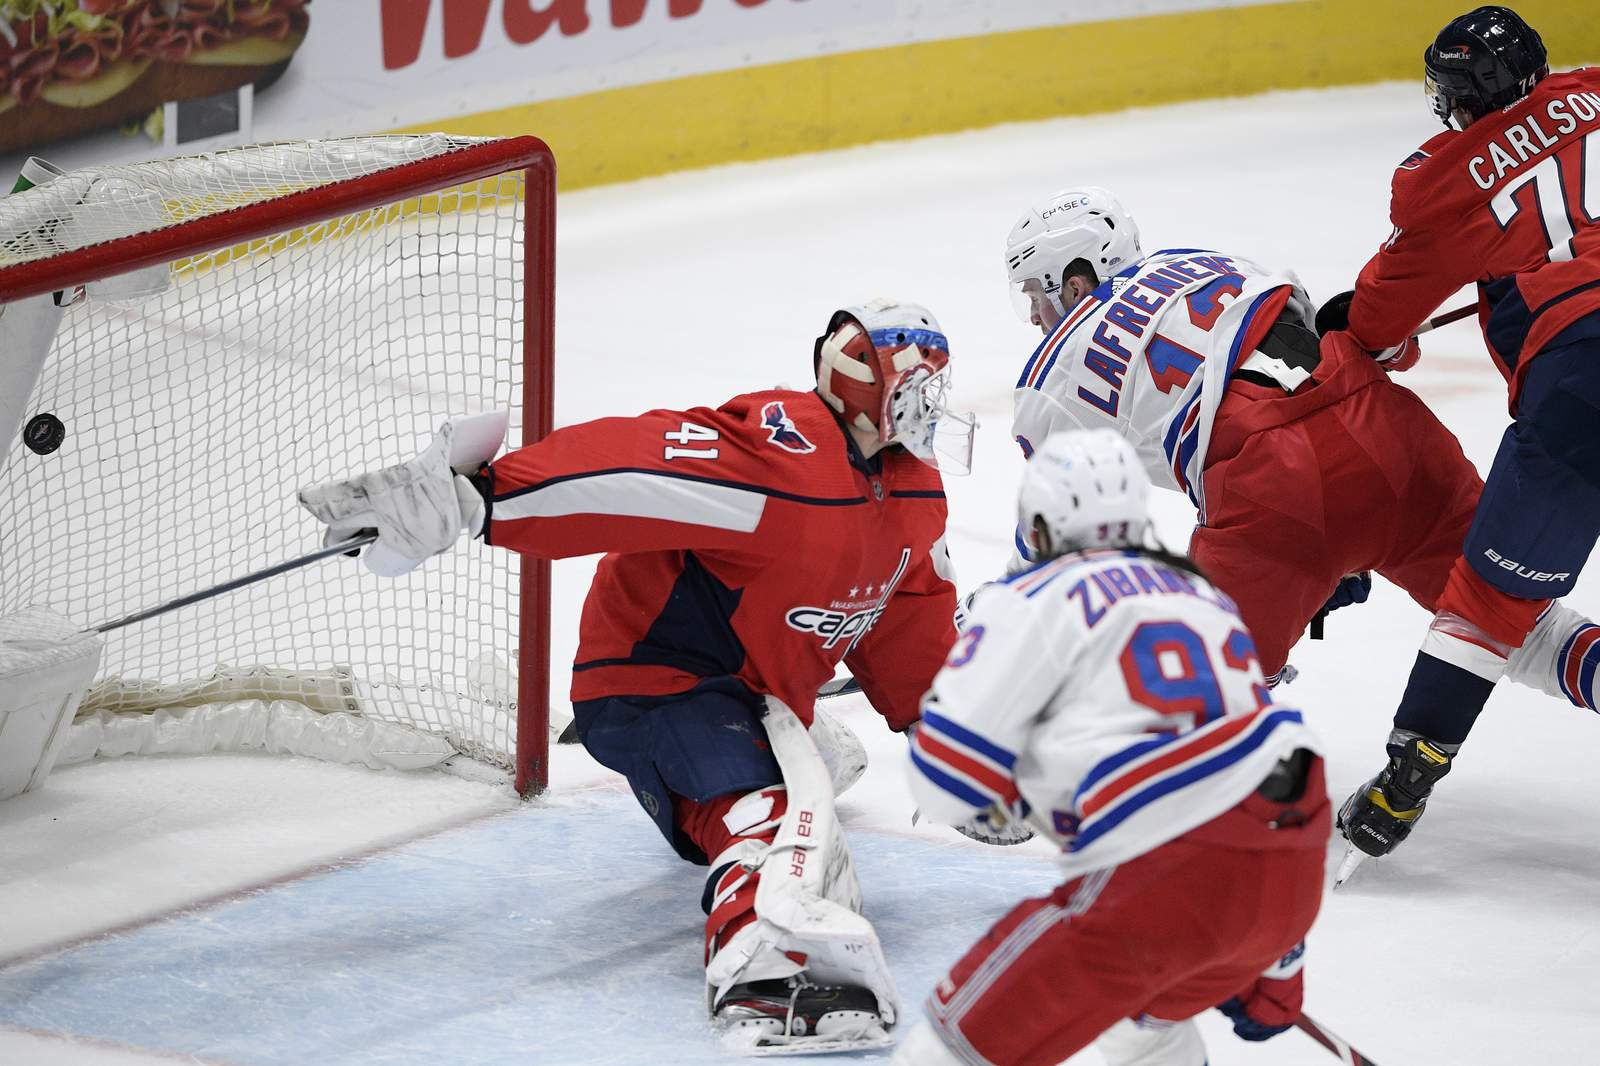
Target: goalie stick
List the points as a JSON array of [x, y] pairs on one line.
[[345, 547], [476, 440], [1332, 1041]]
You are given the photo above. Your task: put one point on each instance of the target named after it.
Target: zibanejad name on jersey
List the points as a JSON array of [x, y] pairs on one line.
[[1105, 585]]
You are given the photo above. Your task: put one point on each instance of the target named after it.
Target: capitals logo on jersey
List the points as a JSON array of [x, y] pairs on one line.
[[848, 620], [781, 430]]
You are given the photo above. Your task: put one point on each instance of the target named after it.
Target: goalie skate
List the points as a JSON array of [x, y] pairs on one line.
[[796, 1016]]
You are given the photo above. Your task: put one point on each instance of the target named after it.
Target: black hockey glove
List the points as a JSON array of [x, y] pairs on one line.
[[1334, 315]]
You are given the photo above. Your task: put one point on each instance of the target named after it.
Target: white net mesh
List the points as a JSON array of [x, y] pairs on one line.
[[193, 414]]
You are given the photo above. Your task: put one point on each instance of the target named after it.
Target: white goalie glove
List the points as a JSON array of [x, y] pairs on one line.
[[418, 508]]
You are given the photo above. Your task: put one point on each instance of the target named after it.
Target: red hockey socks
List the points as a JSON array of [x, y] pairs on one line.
[[736, 831]]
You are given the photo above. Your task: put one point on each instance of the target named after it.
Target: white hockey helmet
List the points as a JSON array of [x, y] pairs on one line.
[[1087, 223], [1089, 489]]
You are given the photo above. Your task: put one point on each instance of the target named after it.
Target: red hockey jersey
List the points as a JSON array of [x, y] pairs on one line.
[[749, 540], [1513, 203]]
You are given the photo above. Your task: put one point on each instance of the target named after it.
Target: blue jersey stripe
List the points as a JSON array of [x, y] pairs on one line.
[[1046, 583], [1112, 763], [951, 784], [1586, 675], [1038, 386], [1235, 356], [969, 739], [1022, 382], [1127, 808]]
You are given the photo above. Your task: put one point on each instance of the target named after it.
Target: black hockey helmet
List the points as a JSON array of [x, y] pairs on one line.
[[1482, 61]]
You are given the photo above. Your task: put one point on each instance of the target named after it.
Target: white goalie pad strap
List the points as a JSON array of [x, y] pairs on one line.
[[808, 899], [751, 815], [46, 665]]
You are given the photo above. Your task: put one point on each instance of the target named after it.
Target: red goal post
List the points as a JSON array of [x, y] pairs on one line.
[[212, 243]]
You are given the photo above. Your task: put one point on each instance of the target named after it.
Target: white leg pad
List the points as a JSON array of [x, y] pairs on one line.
[[808, 899], [841, 750]]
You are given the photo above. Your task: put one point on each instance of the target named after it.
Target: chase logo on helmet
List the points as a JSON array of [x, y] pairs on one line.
[[781, 430], [1082, 201]]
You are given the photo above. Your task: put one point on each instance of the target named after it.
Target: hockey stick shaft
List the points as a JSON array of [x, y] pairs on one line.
[[839, 686], [342, 548], [1332, 1041], [1448, 317]]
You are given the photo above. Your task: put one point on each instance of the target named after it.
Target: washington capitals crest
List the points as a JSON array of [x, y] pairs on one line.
[[781, 429], [1414, 160]]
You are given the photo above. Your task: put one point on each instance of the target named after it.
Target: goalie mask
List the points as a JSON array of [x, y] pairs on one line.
[[885, 368], [1088, 224], [1088, 488]]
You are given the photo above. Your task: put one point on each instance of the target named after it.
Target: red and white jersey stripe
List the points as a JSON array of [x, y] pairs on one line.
[[1113, 699]]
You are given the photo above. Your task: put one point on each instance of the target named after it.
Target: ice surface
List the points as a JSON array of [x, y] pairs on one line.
[[564, 932], [548, 935]]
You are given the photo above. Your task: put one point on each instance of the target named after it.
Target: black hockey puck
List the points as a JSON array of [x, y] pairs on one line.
[[44, 433]]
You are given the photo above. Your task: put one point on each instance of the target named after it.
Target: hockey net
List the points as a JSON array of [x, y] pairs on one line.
[[235, 326]]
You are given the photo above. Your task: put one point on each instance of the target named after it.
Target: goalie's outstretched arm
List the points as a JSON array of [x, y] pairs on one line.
[[661, 480]]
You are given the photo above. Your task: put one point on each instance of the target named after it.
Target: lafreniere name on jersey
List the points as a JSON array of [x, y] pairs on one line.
[[1119, 336], [1528, 138]]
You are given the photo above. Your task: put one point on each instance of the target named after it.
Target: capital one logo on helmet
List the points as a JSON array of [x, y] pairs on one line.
[[836, 626]]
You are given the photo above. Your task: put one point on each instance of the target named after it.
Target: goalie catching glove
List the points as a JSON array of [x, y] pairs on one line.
[[418, 508]]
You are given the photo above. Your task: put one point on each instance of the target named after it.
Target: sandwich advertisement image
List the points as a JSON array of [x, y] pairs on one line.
[[74, 67]]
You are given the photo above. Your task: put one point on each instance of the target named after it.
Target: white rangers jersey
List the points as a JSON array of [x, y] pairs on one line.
[[1134, 356], [1111, 700]]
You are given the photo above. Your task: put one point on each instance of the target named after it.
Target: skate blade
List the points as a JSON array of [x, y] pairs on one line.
[[755, 1040], [1353, 857]]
